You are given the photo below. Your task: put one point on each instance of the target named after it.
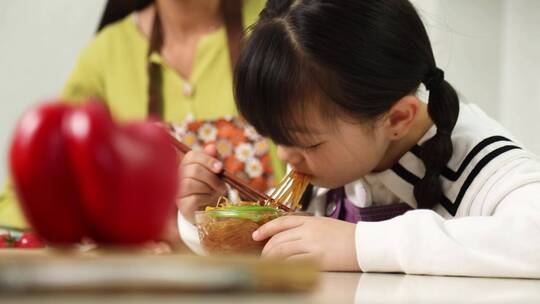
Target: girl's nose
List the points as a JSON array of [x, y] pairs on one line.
[[289, 155]]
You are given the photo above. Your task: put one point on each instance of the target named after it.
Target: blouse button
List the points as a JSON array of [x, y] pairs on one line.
[[188, 89], [331, 208]]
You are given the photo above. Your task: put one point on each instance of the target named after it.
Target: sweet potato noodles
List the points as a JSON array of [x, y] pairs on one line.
[[289, 191]]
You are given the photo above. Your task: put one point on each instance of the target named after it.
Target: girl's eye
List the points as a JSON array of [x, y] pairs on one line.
[[313, 147]]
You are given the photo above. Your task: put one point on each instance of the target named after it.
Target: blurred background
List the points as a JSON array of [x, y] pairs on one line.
[[489, 50]]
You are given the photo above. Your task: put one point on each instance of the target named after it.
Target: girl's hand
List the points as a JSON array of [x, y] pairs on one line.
[[199, 184], [329, 240]]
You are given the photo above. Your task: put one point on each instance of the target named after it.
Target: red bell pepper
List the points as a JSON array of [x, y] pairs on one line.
[[78, 174]]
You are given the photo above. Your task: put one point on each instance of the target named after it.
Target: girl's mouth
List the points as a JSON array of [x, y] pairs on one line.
[[303, 172]]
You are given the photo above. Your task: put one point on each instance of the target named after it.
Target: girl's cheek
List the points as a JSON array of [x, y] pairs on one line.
[[319, 166]]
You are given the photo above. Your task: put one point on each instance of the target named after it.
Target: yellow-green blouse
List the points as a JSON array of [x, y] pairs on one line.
[[113, 67]]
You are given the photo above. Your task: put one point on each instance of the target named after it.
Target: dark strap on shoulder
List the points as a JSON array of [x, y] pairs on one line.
[[155, 102], [232, 17]]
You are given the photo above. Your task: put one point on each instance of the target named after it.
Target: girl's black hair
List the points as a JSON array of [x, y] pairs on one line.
[[358, 56]]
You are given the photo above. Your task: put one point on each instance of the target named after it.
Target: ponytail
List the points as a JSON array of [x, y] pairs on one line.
[[443, 108]]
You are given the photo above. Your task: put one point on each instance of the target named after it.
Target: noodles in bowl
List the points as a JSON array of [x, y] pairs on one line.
[[228, 228]]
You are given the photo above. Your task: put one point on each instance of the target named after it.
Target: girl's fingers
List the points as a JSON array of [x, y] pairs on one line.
[[290, 235], [279, 239], [303, 257], [285, 250], [207, 161], [278, 225], [210, 150], [195, 195], [190, 187], [201, 174], [188, 205]]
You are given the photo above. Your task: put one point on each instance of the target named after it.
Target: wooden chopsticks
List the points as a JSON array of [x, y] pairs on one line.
[[245, 190]]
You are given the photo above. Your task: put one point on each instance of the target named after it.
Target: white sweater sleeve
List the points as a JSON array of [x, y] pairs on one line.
[[189, 234], [506, 244]]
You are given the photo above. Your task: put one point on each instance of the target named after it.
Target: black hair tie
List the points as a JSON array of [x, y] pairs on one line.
[[434, 79]]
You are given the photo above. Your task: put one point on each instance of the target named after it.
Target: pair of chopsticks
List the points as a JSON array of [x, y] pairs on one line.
[[245, 190]]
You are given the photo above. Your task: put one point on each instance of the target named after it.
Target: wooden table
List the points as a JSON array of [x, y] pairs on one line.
[[332, 288]]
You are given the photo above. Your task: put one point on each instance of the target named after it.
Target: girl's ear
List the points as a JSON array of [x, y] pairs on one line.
[[401, 117]]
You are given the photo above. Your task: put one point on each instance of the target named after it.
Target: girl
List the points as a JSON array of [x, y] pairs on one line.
[[408, 186]]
